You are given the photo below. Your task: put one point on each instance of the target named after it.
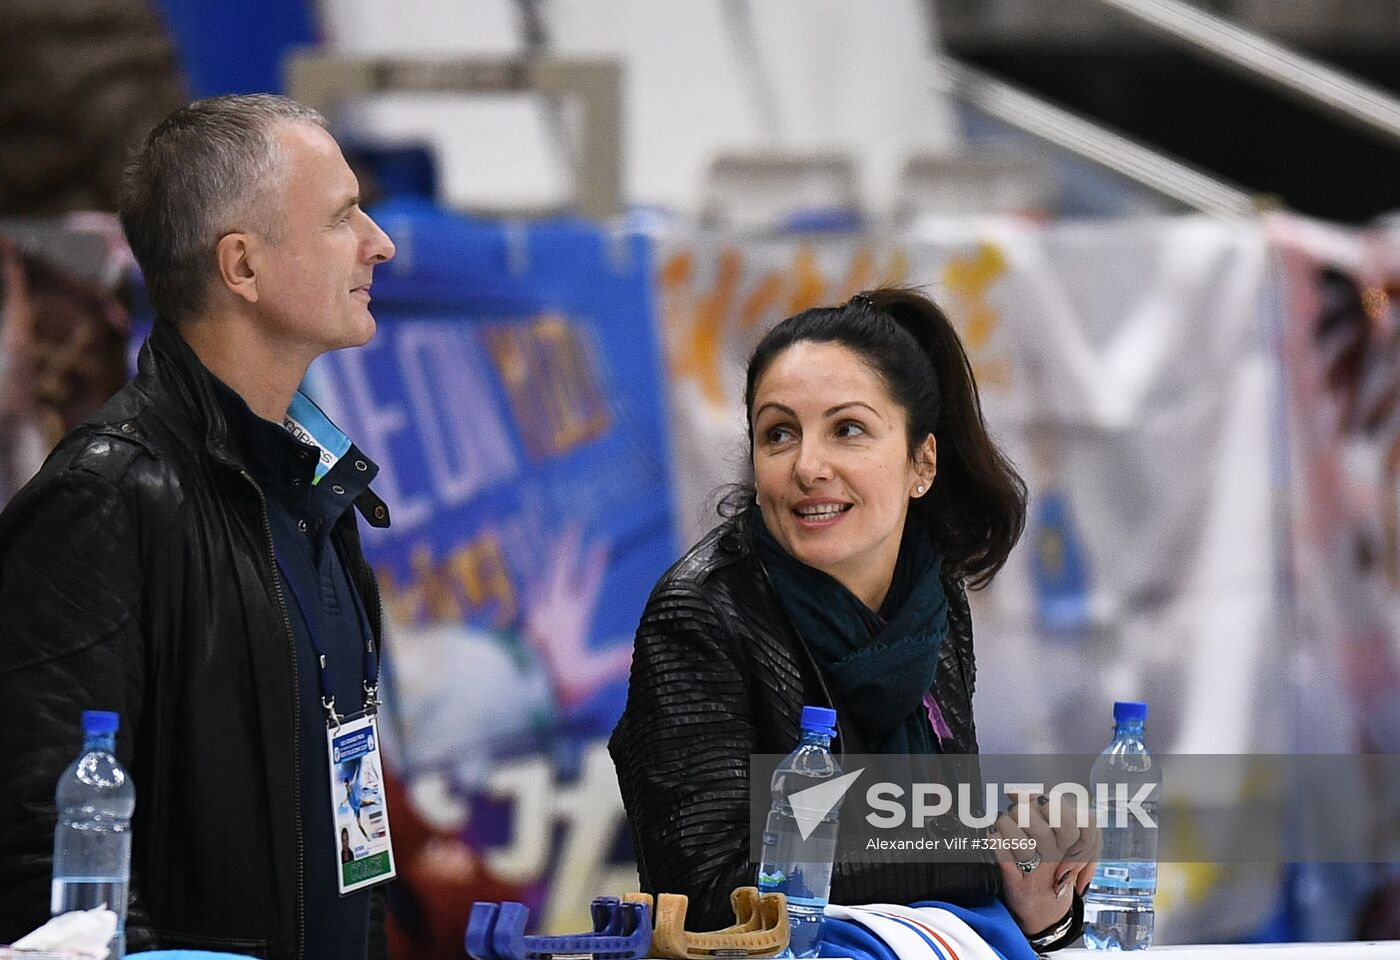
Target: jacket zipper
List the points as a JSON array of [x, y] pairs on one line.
[[296, 710]]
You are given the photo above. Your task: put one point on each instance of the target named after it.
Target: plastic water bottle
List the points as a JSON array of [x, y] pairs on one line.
[[796, 867], [92, 844], [1118, 912]]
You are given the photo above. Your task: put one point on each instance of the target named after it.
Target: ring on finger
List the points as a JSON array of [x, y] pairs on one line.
[[1026, 866]]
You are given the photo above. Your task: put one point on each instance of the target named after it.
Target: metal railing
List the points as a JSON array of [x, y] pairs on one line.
[[1091, 141], [1257, 56]]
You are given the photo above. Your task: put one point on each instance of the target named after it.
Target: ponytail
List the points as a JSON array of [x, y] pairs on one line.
[[976, 510]]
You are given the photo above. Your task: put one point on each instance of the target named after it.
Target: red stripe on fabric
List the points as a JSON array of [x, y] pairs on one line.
[[922, 926]]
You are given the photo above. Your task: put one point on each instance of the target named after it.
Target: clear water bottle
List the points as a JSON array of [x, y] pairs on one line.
[[791, 865], [92, 844], [1118, 912]]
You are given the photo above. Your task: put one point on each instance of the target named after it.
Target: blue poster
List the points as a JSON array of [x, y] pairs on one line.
[[512, 399], [237, 47]]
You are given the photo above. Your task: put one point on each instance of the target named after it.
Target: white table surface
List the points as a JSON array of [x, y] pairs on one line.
[[1361, 950]]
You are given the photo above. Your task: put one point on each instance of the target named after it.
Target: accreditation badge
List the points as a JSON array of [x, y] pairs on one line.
[[358, 806]]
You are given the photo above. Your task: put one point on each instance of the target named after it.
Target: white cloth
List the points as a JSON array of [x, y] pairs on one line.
[[908, 930], [81, 934]]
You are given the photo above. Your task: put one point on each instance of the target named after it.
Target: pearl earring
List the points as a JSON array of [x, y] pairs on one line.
[[919, 488]]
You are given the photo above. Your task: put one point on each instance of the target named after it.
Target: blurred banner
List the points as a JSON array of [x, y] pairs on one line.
[[1204, 413], [511, 399], [1125, 370], [1337, 324]]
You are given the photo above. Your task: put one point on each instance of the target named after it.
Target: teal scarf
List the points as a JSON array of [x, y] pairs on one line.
[[880, 664]]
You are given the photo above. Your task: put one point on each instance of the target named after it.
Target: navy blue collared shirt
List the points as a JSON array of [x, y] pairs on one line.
[[303, 509]]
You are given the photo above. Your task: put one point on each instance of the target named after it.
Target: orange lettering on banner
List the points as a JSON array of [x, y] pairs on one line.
[[472, 579], [763, 301], [552, 382], [808, 284], [898, 269], [696, 325], [438, 599], [428, 597], [480, 568], [969, 280], [707, 326], [676, 272], [864, 272], [860, 275], [398, 602]]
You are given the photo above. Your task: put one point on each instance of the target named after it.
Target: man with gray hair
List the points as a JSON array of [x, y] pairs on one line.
[[190, 558]]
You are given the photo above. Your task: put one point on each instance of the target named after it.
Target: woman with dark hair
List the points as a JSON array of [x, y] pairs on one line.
[[837, 578]]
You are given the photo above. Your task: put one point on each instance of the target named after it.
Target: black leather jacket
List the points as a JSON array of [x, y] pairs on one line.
[[137, 575], [719, 673]]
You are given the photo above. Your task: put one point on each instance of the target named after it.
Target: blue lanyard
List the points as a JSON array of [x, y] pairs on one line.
[[372, 701]]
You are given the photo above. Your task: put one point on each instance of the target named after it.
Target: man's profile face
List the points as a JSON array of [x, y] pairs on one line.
[[314, 277]]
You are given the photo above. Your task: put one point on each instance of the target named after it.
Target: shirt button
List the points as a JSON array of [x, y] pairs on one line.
[[361, 466], [379, 513], [302, 526], [296, 481], [337, 488]]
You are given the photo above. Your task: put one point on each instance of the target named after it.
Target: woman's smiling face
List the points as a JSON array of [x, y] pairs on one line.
[[832, 467]]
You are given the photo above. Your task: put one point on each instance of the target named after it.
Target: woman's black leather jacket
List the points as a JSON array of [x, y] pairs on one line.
[[719, 674]]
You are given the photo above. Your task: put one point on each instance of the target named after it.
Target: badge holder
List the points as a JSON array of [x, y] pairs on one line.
[[359, 815], [621, 931], [760, 927]]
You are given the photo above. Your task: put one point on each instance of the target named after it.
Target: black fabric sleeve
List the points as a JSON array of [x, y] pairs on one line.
[[69, 592], [682, 751]]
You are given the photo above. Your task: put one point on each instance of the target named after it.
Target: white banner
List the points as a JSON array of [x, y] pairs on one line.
[[1124, 369], [1338, 330]]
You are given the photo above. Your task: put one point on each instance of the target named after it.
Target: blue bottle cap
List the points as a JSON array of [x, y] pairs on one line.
[[100, 721], [1129, 710], [819, 719]]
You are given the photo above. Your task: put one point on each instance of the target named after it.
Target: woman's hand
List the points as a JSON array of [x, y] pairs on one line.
[[1041, 896]]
